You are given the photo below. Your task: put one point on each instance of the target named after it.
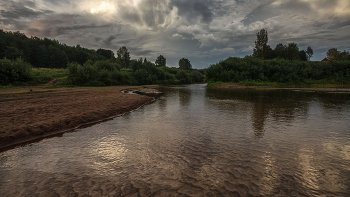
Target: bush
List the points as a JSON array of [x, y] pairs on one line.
[[105, 65], [15, 72], [79, 75], [278, 70]]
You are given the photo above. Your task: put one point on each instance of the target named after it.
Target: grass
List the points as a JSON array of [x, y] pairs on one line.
[[257, 83], [44, 75], [217, 83], [306, 84]]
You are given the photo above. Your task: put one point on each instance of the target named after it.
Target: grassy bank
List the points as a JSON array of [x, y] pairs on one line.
[[313, 84]]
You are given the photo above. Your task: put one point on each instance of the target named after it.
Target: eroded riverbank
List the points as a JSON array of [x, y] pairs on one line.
[[26, 115]]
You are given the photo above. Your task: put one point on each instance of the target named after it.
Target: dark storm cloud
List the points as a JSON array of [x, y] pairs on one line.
[[25, 9], [258, 14], [21, 12], [192, 10], [109, 39]]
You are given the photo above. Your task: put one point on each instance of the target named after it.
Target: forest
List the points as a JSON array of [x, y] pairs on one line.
[[283, 65], [21, 57], [25, 61]]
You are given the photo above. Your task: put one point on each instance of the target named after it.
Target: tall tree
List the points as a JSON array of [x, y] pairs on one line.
[[124, 56], [185, 64], [161, 61], [309, 52], [106, 53], [333, 54], [280, 50], [261, 48], [293, 51]]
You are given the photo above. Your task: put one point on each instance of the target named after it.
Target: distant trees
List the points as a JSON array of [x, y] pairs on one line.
[[292, 51], [289, 52], [124, 56], [105, 53], [309, 52], [284, 71], [46, 53], [160, 61], [185, 64], [334, 54], [261, 49]]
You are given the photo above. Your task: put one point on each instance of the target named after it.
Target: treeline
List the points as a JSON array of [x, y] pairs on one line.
[[249, 68], [46, 53], [100, 73], [288, 52], [285, 64], [142, 72], [335, 55], [18, 54]]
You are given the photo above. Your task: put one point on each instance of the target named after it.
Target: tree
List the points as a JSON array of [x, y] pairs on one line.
[[106, 53], [260, 49], [309, 52], [161, 61], [185, 64], [280, 50], [345, 55], [303, 55], [293, 51], [333, 54], [124, 56], [13, 53]]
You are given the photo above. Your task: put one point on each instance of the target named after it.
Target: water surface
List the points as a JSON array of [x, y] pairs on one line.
[[195, 141]]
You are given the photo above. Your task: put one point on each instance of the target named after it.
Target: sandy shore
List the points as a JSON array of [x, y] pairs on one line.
[[27, 115], [236, 86]]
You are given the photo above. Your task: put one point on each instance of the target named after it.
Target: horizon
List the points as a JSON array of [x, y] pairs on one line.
[[204, 31]]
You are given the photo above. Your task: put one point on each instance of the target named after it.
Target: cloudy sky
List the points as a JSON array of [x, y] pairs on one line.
[[204, 31]]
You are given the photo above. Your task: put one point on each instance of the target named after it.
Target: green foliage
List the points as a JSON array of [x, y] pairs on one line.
[[104, 73], [309, 52], [14, 72], [124, 56], [45, 53], [261, 49], [289, 52], [278, 70], [108, 54], [44, 75], [334, 54], [106, 65], [185, 64], [160, 61]]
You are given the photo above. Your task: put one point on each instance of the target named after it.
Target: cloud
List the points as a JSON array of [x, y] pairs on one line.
[[109, 39], [205, 31], [193, 10]]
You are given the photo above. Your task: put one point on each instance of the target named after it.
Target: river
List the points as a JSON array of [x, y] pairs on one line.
[[195, 141]]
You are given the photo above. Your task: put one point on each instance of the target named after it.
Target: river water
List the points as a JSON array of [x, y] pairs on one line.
[[195, 141]]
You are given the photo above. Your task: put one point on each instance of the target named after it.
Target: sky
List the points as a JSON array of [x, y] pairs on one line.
[[204, 31]]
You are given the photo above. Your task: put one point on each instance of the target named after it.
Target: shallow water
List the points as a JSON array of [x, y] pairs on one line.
[[195, 141]]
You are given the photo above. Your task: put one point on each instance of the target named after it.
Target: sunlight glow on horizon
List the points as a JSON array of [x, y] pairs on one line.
[[102, 8]]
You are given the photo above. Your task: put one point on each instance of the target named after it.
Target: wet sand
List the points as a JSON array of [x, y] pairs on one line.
[[27, 115]]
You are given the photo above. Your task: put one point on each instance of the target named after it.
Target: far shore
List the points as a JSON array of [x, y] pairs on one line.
[[237, 86], [31, 113]]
